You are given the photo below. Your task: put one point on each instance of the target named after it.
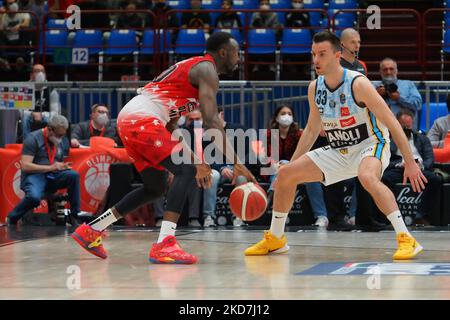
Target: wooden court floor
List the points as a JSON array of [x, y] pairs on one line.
[[45, 263]]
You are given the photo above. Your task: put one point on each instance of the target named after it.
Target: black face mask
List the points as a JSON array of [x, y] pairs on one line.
[[408, 132]]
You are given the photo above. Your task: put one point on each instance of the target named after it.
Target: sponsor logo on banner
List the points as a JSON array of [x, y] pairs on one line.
[[366, 268], [95, 171], [409, 202], [347, 122], [12, 176], [345, 112]]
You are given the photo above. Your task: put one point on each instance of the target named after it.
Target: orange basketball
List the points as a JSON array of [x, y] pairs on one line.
[[248, 201]]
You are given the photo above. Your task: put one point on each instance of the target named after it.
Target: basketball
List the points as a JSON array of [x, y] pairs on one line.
[[248, 201]]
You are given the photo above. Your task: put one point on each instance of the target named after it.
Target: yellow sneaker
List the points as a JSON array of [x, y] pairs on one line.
[[270, 244], [408, 247]]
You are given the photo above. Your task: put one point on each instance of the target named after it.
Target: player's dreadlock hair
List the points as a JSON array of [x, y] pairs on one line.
[[217, 40], [330, 37]]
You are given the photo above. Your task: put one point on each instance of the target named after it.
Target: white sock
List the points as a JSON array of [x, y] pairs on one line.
[[167, 229], [278, 223], [103, 221], [397, 222]]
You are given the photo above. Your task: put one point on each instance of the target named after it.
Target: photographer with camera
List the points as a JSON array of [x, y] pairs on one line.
[[398, 94]]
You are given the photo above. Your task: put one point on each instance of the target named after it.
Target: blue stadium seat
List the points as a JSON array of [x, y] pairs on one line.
[[55, 38], [179, 5], [148, 42], [212, 5], [56, 24], [91, 39], [245, 4], [121, 42], [261, 41], [280, 4], [343, 4], [190, 42], [167, 35], [235, 33], [296, 41], [314, 17], [446, 45], [436, 110], [344, 20]]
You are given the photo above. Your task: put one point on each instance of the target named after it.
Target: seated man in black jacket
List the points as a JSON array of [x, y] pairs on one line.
[[99, 125], [423, 154]]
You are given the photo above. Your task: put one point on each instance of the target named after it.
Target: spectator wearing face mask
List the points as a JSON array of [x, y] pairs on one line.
[[265, 19], [398, 94], [46, 102], [44, 170], [98, 126], [297, 19], [129, 19], [423, 154], [289, 135], [228, 19]]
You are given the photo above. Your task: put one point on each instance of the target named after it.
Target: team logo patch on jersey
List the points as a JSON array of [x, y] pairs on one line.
[[345, 112], [342, 98], [332, 104], [320, 110], [347, 122]]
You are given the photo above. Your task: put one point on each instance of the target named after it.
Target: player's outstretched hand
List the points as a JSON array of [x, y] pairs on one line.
[[415, 176], [203, 176], [241, 170]]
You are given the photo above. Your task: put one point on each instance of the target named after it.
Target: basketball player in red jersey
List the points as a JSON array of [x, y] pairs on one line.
[[145, 125]]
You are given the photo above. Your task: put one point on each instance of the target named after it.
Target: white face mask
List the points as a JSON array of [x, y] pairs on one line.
[[297, 5], [389, 79], [285, 120], [102, 119], [55, 140], [40, 77], [13, 7], [198, 123]]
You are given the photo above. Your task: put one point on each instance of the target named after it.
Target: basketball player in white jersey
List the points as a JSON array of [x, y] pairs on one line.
[[357, 122]]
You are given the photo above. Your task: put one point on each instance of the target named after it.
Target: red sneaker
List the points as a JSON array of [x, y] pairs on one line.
[[169, 251], [90, 240]]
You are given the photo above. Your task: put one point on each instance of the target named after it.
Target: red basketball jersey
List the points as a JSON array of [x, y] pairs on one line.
[[173, 88]]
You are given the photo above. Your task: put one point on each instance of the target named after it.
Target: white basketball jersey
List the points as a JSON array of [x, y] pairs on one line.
[[346, 123]]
